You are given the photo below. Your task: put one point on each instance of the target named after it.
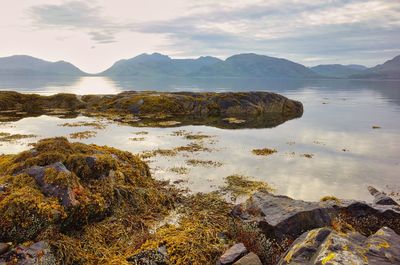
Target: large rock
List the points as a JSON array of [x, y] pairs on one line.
[[233, 254], [38, 253], [282, 217], [380, 197], [64, 193], [249, 259], [326, 246], [4, 248]]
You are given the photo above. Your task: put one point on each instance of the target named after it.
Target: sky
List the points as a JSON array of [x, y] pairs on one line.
[[93, 34]]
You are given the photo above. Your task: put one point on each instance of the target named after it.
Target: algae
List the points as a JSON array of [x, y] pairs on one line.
[[264, 151], [238, 185]]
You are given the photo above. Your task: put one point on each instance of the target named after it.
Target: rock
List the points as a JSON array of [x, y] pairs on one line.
[[282, 217], [64, 193], [380, 197], [233, 254], [150, 257], [38, 253], [4, 248], [326, 246], [249, 259]]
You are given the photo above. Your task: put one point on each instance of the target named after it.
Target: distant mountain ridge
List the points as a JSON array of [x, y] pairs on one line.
[[156, 64], [27, 65], [388, 70], [338, 70], [247, 65]]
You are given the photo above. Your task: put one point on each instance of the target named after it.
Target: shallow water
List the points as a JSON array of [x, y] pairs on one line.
[[348, 155]]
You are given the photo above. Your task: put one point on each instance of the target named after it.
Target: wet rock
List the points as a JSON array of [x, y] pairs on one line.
[[282, 217], [249, 259], [150, 257], [4, 248], [38, 253], [380, 197], [233, 254], [64, 193], [326, 246]]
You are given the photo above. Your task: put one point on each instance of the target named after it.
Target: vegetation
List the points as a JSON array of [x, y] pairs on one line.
[[83, 135], [238, 185], [203, 163], [264, 151]]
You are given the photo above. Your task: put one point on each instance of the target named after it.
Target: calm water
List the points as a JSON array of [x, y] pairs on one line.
[[336, 128]]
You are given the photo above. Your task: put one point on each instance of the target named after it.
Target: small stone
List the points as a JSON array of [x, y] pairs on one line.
[[233, 254], [4, 247], [249, 259]]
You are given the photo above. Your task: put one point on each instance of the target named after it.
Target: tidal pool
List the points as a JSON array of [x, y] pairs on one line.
[[346, 153]]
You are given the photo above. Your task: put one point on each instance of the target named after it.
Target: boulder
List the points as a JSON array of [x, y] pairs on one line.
[[38, 253], [233, 254], [64, 193], [249, 259], [282, 217], [327, 246]]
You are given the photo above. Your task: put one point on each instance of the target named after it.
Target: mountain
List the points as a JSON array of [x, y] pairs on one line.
[[338, 70], [254, 65], [389, 70], [27, 65], [156, 64]]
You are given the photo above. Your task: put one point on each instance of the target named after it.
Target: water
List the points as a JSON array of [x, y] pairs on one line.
[[348, 155]]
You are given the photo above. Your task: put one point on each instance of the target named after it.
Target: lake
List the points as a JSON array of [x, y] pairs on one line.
[[347, 153]]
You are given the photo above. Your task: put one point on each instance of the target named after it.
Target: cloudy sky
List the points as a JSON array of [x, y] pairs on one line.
[[93, 34]]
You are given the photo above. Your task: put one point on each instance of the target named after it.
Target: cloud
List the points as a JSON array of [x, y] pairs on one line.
[[76, 15], [301, 30]]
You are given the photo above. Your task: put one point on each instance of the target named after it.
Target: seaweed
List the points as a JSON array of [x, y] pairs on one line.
[[264, 151]]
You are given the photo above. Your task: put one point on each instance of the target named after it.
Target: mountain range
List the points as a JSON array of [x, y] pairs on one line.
[[248, 65]]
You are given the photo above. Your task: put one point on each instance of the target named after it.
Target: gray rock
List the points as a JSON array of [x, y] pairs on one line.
[[282, 217], [65, 194], [249, 259], [233, 254], [326, 246], [38, 253], [4, 248], [380, 197]]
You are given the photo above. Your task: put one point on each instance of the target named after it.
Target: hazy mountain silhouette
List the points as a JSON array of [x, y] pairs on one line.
[[156, 64], [254, 65], [389, 70], [338, 70], [27, 65]]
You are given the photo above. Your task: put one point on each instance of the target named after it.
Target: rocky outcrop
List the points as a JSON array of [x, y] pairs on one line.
[[233, 254], [37, 253], [327, 246], [282, 217], [253, 109]]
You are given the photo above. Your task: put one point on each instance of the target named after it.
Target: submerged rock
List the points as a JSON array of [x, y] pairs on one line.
[[282, 217], [37, 253], [327, 246]]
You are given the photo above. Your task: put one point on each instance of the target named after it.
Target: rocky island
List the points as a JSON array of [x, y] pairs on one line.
[[160, 109]]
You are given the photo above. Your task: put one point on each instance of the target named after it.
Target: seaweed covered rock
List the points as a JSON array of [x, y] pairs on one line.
[[37, 253], [327, 246], [162, 109], [282, 217], [58, 188]]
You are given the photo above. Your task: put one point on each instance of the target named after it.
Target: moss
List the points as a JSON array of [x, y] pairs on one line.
[[264, 151], [238, 185], [328, 258]]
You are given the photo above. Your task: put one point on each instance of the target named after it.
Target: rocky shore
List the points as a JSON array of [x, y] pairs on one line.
[[71, 203], [160, 109]]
